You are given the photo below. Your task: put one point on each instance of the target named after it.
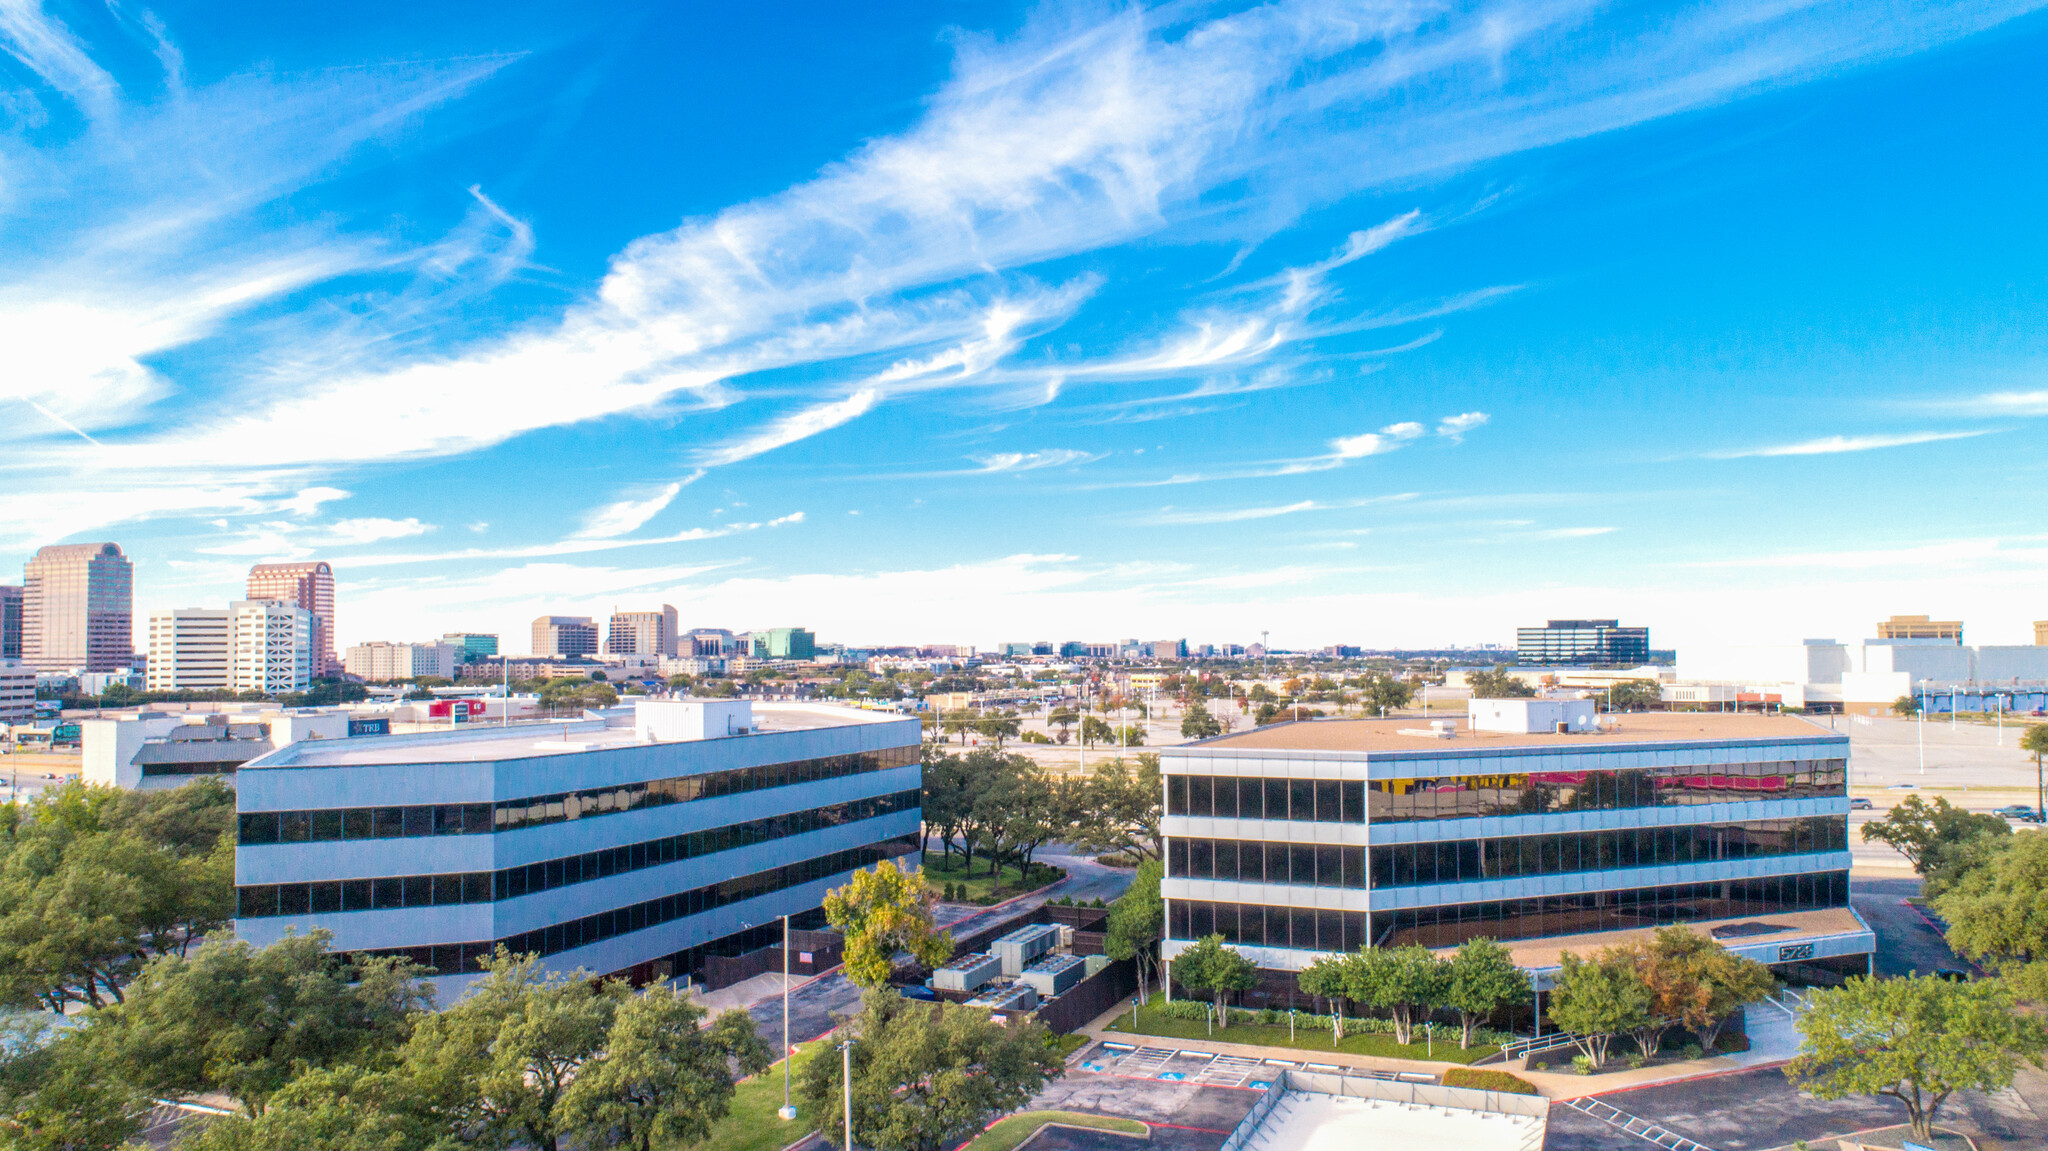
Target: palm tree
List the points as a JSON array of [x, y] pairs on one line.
[[2036, 741]]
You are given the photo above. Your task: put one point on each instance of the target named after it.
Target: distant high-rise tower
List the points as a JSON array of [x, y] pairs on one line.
[[77, 608], [10, 622], [564, 635], [306, 585], [642, 632]]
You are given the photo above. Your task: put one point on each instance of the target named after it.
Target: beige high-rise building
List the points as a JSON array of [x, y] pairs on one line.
[[251, 645], [77, 609], [1920, 627], [564, 635], [642, 632], [309, 585], [2041, 633]]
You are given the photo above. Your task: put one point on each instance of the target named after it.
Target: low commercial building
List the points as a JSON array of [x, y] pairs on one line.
[[1297, 840], [638, 844], [151, 749], [471, 646], [1582, 641]]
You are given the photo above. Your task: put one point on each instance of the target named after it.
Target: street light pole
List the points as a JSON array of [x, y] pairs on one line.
[[788, 1111], [846, 1078]]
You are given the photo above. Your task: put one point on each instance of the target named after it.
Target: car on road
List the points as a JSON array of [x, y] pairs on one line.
[[1860, 803], [2016, 811]]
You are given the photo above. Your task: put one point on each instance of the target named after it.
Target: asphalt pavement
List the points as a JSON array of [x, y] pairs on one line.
[[1906, 941]]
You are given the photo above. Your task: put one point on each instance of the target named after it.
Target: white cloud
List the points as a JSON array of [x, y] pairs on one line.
[[1832, 445], [1230, 515], [1454, 428], [2013, 403], [1033, 461], [616, 519], [1569, 533], [308, 500], [1387, 439], [367, 530]]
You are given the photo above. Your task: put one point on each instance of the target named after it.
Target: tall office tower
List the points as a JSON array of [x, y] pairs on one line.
[[2041, 633], [10, 622], [1583, 641], [77, 609], [471, 646], [784, 643], [564, 635], [189, 650], [272, 646], [642, 632], [310, 586]]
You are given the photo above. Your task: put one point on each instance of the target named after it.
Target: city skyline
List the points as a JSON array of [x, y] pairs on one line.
[[1038, 320]]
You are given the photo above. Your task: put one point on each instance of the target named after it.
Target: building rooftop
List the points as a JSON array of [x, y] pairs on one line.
[[1413, 734], [486, 742], [1790, 927]]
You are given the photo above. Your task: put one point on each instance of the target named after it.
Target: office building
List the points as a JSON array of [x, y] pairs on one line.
[[1582, 641], [560, 635], [77, 609], [151, 750], [10, 621], [17, 691], [1920, 627], [190, 649], [1533, 822], [272, 643], [2041, 633], [382, 662], [642, 632], [306, 585], [472, 646], [686, 830], [784, 643]]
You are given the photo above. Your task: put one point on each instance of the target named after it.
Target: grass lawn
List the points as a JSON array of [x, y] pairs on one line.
[[1007, 1133], [981, 883], [1154, 1022], [752, 1124], [1072, 1043]]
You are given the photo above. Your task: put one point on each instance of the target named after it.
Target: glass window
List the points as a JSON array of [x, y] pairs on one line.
[[1354, 801], [1276, 799], [1251, 799], [1200, 796], [1301, 799], [326, 826]]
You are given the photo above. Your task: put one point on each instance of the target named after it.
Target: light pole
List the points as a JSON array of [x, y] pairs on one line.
[[846, 1078], [1920, 715], [788, 1111]]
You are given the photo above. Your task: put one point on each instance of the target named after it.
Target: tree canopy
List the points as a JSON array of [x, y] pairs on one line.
[[1597, 999], [881, 911], [1997, 911], [1212, 967], [1483, 979], [1137, 920], [1925, 833], [1498, 684]]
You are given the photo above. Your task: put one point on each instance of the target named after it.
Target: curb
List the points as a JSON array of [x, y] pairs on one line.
[[1716, 1074]]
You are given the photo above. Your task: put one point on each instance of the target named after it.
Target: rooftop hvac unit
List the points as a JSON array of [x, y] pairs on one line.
[[966, 972], [1022, 947]]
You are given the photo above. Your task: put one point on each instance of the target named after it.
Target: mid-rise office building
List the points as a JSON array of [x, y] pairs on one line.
[[642, 632], [17, 691], [190, 649], [560, 635], [380, 662], [1921, 627], [1583, 641], [1536, 823], [2041, 633], [472, 646], [273, 646], [77, 609], [784, 643], [310, 586], [636, 845], [10, 621]]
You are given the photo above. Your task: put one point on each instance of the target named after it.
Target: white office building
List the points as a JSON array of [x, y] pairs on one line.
[[636, 844], [150, 750], [1534, 822], [190, 650], [379, 661], [251, 645], [1863, 678]]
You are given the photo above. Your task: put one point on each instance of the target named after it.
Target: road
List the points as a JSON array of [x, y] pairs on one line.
[[1906, 942]]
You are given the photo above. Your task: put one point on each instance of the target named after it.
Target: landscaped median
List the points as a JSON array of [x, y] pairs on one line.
[[1005, 1134], [752, 1124], [1311, 1033]]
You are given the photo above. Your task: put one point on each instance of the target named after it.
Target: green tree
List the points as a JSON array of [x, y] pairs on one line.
[[2036, 741], [1401, 980], [1917, 1040], [1129, 735], [662, 1079], [1329, 977], [1384, 693], [1634, 695], [1906, 705], [1212, 967], [1095, 730], [1197, 723], [1597, 999], [1925, 832], [1483, 979], [925, 1076], [1696, 982], [1997, 912], [997, 727], [498, 1063], [1137, 921], [54, 1097], [1121, 809], [1498, 684], [883, 911], [345, 1108], [1063, 717], [242, 1022]]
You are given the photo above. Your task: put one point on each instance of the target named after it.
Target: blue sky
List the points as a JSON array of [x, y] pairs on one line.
[[1392, 324]]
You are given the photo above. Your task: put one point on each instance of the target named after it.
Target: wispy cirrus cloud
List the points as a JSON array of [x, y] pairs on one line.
[[618, 518], [1033, 461], [1835, 445]]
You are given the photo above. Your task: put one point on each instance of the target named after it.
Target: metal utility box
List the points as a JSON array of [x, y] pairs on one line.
[[1052, 975], [966, 972], [1015, 997], [1024, 946]]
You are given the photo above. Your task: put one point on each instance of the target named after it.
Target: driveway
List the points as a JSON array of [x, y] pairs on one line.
[[1905, 940], [1183, 1115]]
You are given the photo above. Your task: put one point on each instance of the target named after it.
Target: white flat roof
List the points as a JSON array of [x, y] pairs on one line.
[[1310, 1121], [483, 741]]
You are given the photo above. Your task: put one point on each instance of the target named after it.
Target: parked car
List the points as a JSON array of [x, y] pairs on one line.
[[1859, 803], [2015, 810]]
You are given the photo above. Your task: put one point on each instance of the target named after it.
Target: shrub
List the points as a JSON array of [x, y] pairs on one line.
[[1582, 1064], [1270, 1017], [1636, 1061], [1692, 1051], [1489, 1081], [1539, 1065]]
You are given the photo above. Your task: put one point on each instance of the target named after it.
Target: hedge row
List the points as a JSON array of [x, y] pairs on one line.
[[1194, 1009]]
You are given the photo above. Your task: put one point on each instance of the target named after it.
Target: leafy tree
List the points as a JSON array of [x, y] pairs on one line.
[[662, 1079], [881, 912], [242, 1022], [498, 1064], [1329, 977], [1384, 692], [998, 726], [1997, 912], [1137, 921], [1917, 1040], [957, 722], [1095, 730], [1129, 735], [948, 799], [1925, 832], [2036, 741], [1121, 809], [1635, 695], [1212, 967], [926, 1076], [1402, 980], [1483, 979], [1597, 999], [53, 1097], [1696, 982], [1498, 684], [345, 1108], [1197, 723], [1906, 705], [1063, 718]]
